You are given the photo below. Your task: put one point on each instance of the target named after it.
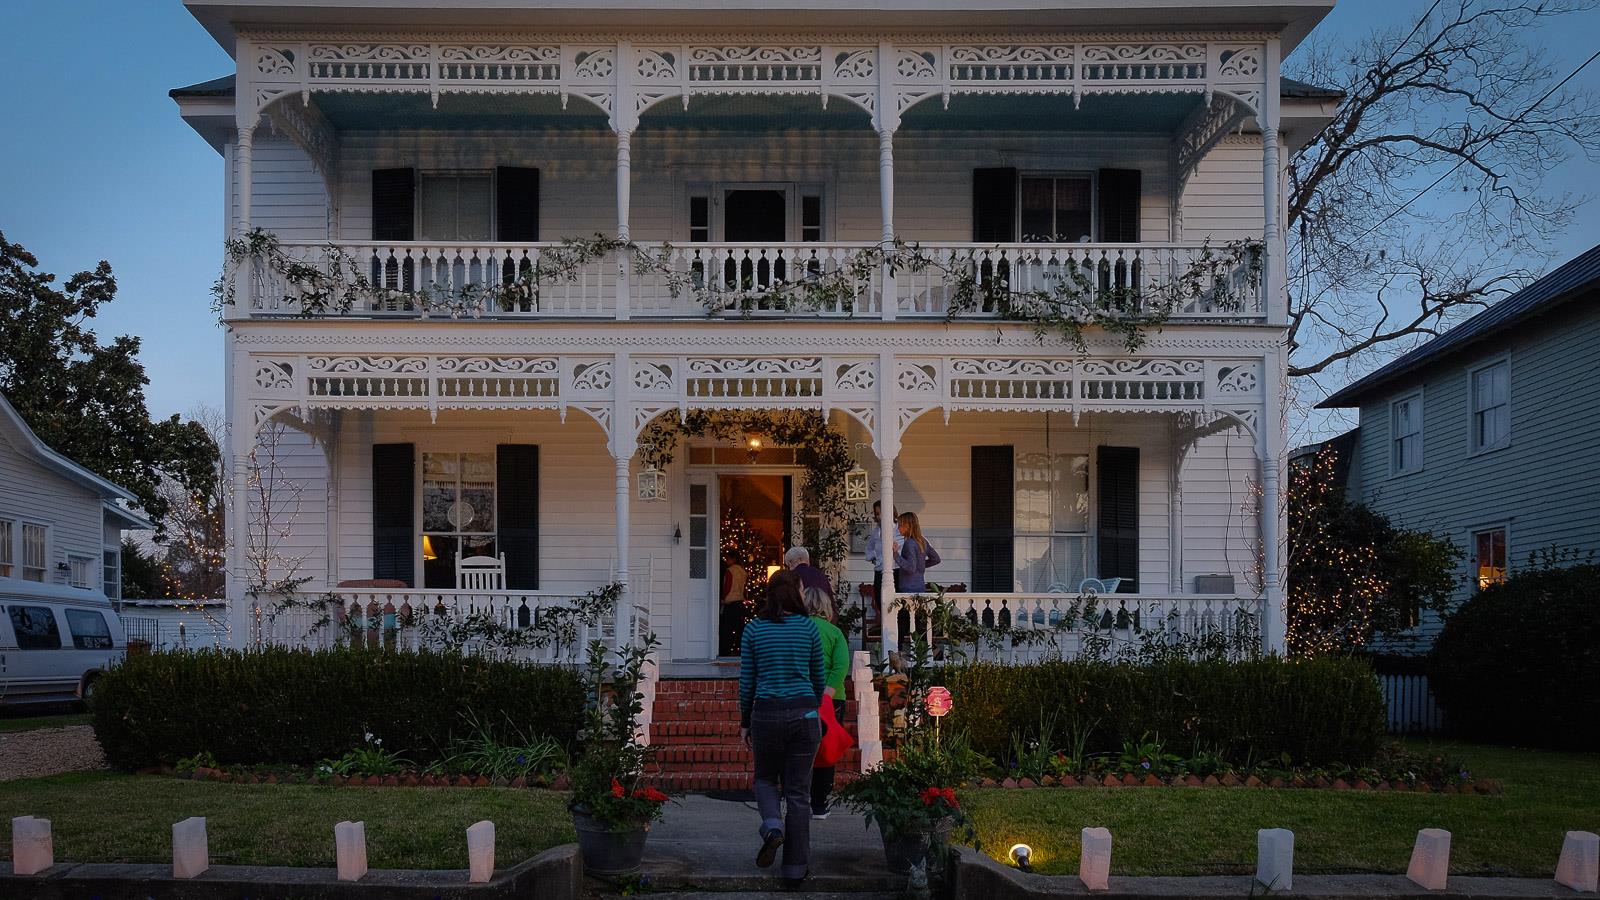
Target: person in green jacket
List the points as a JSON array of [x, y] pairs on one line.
[[835, 666]]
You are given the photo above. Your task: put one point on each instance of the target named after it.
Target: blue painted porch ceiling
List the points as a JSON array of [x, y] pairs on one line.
[[1137, 113]]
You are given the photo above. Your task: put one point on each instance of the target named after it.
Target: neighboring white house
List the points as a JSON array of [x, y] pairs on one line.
[[1489, 434], [427, 146], [60, 524]]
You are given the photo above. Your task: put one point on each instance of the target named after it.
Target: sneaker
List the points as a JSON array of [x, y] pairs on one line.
[[819, 816], [769, 847]]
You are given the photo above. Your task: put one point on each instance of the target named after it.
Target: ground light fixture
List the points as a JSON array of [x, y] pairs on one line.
[[1022, 856]]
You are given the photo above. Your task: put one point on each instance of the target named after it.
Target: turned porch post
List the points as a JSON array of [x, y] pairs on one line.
[[1275, 612], [623, 444], [624, 118], [886, 121], [886, 443], [1273, 284], [240, 436]]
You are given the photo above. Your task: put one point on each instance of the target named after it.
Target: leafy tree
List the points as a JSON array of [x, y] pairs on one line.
[[141, 579], [1463, 99], [86, 398], [1352, 573]]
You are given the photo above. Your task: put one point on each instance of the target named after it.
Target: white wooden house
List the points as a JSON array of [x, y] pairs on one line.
[[429, 146], [60, 524]]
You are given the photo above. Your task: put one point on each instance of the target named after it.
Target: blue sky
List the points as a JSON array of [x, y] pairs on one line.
[[95, 164]]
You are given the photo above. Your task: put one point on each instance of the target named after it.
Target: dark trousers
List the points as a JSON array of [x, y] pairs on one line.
[[730, 630], [822, 776], [784, 736]]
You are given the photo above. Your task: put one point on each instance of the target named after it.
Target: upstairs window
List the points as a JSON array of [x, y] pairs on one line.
[[1056, 209], [454, 207], [1491, 406], [78, 571], [111, 572], [35, 551], [1405, 430]]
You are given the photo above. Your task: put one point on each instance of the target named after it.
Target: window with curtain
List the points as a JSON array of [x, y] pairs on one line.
[[1405, 430], [35, 552], [1489, 557], [458, 512], [1051, 521], [78, 571], [1056, 209], [455, 207], [1491, 406]]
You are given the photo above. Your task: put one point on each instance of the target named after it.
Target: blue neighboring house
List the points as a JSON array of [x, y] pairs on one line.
[[1489, 434]]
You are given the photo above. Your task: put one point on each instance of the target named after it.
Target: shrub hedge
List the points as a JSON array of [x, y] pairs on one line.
[[1319, 712], [1520, 662], [281, 706]]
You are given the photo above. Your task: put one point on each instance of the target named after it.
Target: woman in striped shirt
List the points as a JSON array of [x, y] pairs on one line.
[[780, 687]]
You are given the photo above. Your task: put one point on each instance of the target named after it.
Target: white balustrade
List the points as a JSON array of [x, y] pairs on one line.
[[404, 619], [419, 279], [1018, 628]]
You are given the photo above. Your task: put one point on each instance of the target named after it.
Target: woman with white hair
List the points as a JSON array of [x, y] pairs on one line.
[[835, 665]]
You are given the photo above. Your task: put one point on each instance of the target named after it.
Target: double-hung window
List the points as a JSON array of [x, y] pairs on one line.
[[1405, 434], [35, 551], [455, 207], [1491, 406], [78, 571], [1056, 209], [1489, 556], [1051, 521], [458, 512], [8, 548], [111, 572]]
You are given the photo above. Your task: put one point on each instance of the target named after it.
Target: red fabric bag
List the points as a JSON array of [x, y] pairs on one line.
[[835, 739]]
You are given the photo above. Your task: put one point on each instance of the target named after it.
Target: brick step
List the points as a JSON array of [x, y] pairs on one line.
[[712, 689], [681, 782], [702, 729]]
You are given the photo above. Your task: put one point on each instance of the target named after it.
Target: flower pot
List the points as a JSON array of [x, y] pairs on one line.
[[904, 849], [607, 851]]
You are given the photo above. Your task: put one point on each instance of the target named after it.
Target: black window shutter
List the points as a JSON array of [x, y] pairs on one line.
[[1118, 534], [516, 204], [394, 521], [994, 206], [517, 471], [394, 199], [993, 498], [1120, 191]]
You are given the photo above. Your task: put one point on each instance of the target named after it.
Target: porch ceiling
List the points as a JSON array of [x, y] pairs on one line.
[[1146, 113]]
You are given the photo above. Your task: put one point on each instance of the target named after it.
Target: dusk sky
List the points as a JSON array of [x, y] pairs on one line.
[[96, 164]]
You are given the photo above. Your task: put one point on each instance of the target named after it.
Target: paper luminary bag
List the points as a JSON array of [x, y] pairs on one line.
[[835, 739]]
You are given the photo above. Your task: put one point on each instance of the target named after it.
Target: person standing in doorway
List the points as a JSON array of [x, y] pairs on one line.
[[731, 614], [781, 684], [835, 664]]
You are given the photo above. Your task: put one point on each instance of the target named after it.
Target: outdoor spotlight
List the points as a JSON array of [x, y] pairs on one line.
[[1020, 856]]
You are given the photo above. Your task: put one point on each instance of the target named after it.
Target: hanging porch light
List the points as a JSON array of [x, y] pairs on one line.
[[652, 485], [856, 487]]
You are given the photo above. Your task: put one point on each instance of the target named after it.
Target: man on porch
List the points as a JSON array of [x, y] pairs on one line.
[[798, 560]]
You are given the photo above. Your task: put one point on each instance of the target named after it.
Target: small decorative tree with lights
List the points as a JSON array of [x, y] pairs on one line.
[[742, 543]]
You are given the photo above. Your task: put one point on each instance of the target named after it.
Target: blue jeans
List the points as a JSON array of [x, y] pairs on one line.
[[784, 736]]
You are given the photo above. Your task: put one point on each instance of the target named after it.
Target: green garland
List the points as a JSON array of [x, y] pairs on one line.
[[1074, 302], [824, 451]]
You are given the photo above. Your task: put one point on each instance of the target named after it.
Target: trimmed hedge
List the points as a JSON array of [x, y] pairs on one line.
[[1520, 662], [1319, 712], [281, 706]]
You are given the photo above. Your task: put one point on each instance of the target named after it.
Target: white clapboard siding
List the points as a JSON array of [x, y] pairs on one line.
[[288, 197], [1222, 200], [1220, 527], [293, 480], [31, 493]]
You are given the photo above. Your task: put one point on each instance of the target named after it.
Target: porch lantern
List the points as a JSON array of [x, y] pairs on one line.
[[652, 485], [856, 488]]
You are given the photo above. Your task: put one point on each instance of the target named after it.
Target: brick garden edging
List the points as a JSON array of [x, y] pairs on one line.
[[1318, 782], [555, 874], [559, 783]]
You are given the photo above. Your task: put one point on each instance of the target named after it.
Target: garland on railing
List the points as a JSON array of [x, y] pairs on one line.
[[1075, 302], [824, 451], [1092, 618]]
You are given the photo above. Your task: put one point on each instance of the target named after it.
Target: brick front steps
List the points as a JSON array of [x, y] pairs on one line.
[[694, 735]]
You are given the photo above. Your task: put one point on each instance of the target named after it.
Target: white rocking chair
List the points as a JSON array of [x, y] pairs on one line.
[[480, 573], [1099, 585]]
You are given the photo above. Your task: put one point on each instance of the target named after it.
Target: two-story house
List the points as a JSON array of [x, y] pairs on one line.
[[838, 209], [1489, 434], [60, 524]]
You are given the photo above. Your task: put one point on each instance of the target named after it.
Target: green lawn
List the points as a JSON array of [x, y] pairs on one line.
[[104, 817], [32, 723], [1195, 831]]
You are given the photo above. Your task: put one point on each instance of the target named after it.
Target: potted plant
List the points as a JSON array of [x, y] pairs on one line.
[[612, 806], [912, 800]]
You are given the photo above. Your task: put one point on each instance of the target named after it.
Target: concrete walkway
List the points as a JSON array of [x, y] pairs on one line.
[[707, 843]]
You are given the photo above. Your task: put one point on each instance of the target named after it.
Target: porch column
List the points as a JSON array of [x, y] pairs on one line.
[[1272, 263], [1175, 511], [886, 209], [622, 634], [891, 622], [624, 233], [244, 156], [1275, 614], [240, 435]]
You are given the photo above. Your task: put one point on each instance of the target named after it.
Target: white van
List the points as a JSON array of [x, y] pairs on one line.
[[54, 642]]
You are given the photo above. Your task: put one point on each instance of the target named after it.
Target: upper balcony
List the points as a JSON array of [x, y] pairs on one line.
[[958, 177]]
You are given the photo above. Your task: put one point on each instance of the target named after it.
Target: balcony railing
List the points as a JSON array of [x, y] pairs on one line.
[[490, 280]]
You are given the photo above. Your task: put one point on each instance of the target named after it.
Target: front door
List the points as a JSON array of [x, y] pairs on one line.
[[753, 516]]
